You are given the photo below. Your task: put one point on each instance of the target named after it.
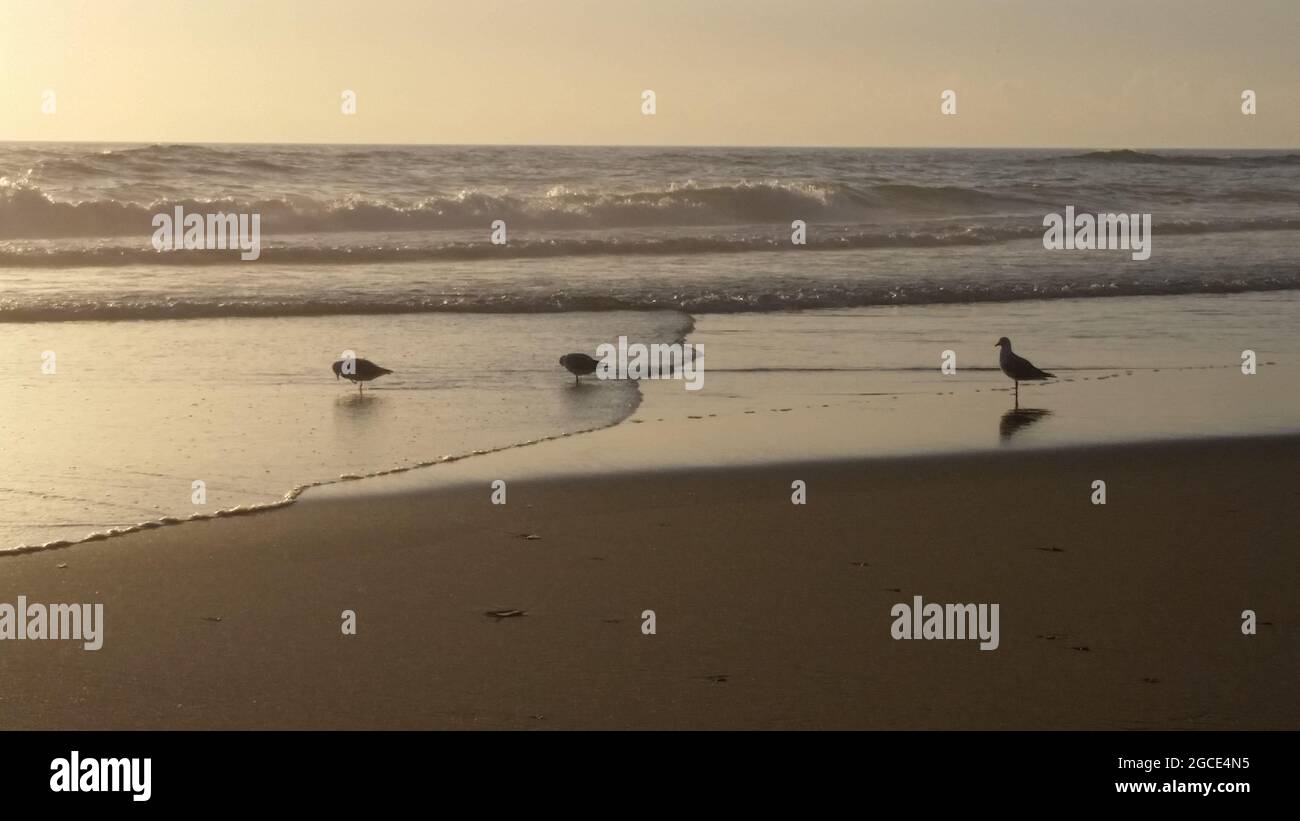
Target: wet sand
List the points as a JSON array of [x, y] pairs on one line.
[[768, 614]]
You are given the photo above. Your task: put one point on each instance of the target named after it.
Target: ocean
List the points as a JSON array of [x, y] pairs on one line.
[[388, 230], [193, 366]]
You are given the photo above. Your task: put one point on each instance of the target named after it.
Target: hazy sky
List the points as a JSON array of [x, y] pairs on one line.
[[1139, 73]]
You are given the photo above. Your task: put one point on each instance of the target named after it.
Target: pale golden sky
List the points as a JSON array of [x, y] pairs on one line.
[[1101, 73]]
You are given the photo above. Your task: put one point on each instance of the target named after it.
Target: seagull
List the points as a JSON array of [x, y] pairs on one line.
[[362, 370], [579, 364], [1018, 368]]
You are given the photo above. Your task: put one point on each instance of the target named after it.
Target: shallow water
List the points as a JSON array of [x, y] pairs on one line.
[[135, 412], [858, 384]]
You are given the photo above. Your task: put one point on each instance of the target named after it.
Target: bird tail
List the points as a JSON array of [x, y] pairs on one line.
[[1052, 375]]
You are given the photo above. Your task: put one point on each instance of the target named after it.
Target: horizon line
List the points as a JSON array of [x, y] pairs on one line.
[[825, 146]]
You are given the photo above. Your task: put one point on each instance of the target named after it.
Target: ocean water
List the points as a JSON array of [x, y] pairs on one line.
[[351, 229], [177, 367]]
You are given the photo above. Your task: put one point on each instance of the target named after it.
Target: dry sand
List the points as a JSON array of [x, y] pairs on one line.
[[1119, 616]]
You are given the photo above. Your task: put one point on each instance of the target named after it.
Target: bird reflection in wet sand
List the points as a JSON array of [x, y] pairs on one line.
[[1016, 420]]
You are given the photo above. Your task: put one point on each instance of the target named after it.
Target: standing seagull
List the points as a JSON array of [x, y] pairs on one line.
[[362, 370], [1018, 368], [579, 364]]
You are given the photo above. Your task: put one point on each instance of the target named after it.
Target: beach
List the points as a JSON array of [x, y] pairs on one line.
[[767, 614], [136, 412], [480, 540]]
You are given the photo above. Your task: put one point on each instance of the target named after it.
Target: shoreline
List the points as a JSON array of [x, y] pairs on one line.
[[290, 497], [769, 615], [776, 391], [361, 485]]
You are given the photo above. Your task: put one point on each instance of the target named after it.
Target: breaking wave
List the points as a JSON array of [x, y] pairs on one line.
[[701, 299], [27, 212]]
